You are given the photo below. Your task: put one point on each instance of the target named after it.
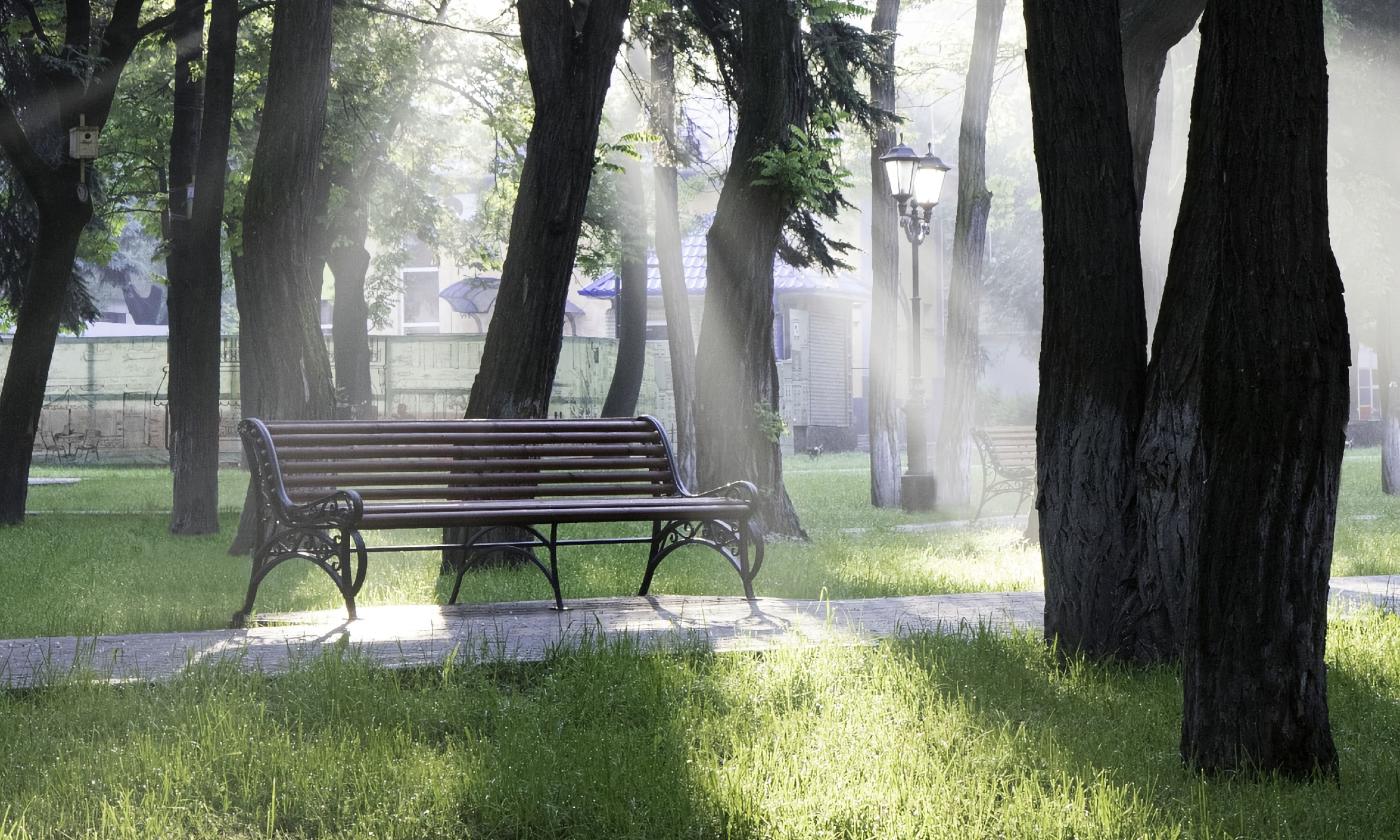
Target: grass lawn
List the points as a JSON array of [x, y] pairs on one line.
[[948, 737], [120, 571]]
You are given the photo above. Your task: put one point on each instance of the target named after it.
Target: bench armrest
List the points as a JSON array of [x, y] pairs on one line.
[[341, 509], [743, 491]]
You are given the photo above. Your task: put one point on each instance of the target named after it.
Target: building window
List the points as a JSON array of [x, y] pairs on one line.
[[781, 348], [1368, 403], [420, 299]]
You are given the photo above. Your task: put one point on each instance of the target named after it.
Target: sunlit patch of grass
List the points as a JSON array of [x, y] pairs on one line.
[[978, 735]]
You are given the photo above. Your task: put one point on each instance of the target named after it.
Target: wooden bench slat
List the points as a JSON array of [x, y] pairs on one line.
[[518, 491], [293, 454], [514, 428], [527, 516], [471, 479], [459, 466], [338, 439]]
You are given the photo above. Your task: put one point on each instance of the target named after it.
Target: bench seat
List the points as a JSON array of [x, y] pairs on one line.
[[534, 512]]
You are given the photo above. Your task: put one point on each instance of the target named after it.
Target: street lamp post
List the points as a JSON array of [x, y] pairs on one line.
[[915, 184]]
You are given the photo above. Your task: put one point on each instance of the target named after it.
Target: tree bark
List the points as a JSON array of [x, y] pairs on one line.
[[569, 58], [349, 259], [284, 368], [882, 408], [1252, 353], [736, 407], [953, 456], [1091, 380], [63, 205], [675, 297], [31, 349], [569, 67], [347, 233], [193, 346], [626, 384]]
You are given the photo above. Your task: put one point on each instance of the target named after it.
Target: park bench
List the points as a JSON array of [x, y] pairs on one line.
[[1008, 463], [511, 483]]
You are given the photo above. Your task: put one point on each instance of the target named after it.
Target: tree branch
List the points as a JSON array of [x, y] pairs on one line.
[[36, 24], [118, 41], [154, 25], [78, 33], [17, 149], [381, 9]]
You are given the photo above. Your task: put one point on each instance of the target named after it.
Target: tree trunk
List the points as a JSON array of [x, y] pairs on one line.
[[1387, 374], [193, 346], [1252, 358], [61, 199], [349, 259], [347, 233], [882, 407], [569, 69], [284, 368], [680, 338], [570, 66], [736, 408], [1091, 380], [631, 312], [963, 353], [31, 349]]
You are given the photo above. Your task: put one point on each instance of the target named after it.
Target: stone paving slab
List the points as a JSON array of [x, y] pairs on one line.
[[525, 631], [406, 636]]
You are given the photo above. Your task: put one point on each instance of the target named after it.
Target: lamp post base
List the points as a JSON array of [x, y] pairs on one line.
[[917, 492]]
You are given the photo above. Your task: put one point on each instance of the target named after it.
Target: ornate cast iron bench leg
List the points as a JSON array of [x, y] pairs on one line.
[[333, 555], [734, 543]]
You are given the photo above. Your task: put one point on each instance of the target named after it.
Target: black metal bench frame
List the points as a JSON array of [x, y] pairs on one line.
[[995, 445], [326, 531]]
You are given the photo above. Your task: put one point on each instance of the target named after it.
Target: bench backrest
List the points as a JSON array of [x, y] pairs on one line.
[[1009, 450], [452, 460]]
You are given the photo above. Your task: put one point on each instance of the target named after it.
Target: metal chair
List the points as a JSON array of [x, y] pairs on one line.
[[88, 447]]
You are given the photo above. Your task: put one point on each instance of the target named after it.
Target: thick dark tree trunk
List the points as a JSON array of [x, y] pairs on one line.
[[284, 369], [736, 408], [1252, 353], [63, 207], [632, 295], [1091, 379], [680, 338], [882, 407], [283, 363], [31, 349], [953, 457], [349, 259], [570, 64], [570, 67], [194, 291], [1387, 374]]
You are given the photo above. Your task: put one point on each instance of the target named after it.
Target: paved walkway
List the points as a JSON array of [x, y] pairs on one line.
[[428, 635]]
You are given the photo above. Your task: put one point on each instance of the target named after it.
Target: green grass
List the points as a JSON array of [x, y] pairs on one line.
[[85, 574], [939, 737], [100, 573]]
